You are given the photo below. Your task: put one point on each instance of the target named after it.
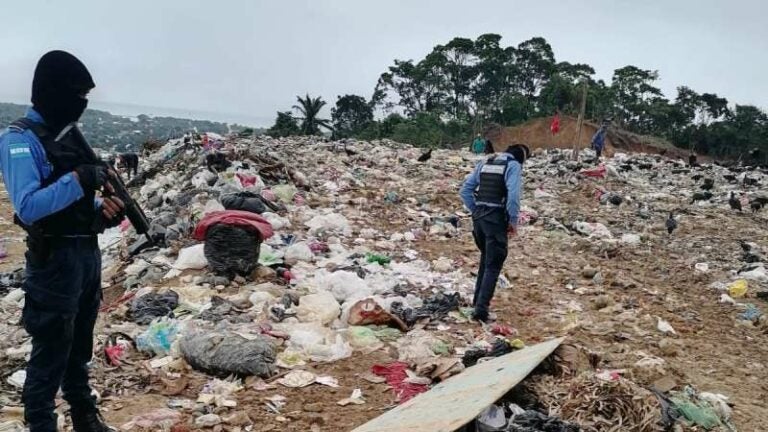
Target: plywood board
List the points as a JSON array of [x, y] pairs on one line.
[[456, 401]]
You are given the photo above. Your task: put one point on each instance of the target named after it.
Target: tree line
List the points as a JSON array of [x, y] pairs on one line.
[[465, 85]]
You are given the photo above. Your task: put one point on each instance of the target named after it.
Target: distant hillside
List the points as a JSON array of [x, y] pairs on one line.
[[536, 133], [120, 133]]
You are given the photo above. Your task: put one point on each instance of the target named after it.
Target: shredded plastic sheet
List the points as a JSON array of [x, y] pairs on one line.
[[226, 353]]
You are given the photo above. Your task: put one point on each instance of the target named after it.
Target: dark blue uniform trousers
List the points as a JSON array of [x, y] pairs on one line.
[[490, 232], [62, 297]]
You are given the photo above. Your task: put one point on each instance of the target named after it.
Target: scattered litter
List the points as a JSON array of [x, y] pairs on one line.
[[355, 399], [665, 327], [17, 378]]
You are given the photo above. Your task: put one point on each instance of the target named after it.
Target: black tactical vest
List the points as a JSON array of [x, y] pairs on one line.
[[493, 188], [64, 154]]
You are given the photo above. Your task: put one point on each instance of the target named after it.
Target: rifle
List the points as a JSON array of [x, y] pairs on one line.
[[132, 210]]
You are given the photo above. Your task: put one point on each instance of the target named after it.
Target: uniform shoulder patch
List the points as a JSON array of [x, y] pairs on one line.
[[19, 150]]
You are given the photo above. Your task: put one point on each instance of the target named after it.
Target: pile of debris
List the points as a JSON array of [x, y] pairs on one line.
[[290, 273]]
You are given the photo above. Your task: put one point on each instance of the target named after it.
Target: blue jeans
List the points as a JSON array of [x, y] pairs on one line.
[[490, 232], [62, 297]]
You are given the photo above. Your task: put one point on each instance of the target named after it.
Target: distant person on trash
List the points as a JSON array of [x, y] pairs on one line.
[[216, 162], [598, 140], [489, 150], [129, 162], [478, 145], [492, 193]]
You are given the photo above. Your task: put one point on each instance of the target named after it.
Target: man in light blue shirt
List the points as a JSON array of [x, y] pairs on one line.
[[492, 193]]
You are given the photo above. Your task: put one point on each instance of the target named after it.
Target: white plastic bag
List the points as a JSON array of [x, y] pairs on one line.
[[342, 284], [320, 307], [191, 257], [298, 251], [330, 223], [491, 419], [201, 179], [278, 222]]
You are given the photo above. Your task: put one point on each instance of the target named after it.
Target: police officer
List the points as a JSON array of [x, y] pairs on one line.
[[52, 181], [492, 193]]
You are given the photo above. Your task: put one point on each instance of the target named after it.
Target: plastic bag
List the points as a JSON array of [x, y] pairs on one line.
[[278, 222], [159, 419], [316, 342], [159, 337], [330, 223], [227, 353], [320, 307], [299, 251], [192, 257], [344, 285], [232, 250], [362, 337], [146, 308], [491, 419], [285, 192], [738, 289], [203, 179], [592, 230]]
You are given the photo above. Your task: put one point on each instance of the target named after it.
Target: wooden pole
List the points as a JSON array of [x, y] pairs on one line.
[[580, 121]]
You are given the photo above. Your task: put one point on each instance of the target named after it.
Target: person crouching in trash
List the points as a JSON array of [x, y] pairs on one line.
[[492, 193]]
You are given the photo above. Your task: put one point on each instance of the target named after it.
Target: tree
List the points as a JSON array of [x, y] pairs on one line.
[[309, 108], [470, 82], [285, 125], [351, 115], [535, 63], [456, 62], [632, 90]]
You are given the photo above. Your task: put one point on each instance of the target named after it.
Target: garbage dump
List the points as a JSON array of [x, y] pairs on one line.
[[312, 285]]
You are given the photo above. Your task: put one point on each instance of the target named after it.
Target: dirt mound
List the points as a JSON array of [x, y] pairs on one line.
[[536, 134]]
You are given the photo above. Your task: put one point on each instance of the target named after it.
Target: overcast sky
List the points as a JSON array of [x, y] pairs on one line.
[[251, 57]]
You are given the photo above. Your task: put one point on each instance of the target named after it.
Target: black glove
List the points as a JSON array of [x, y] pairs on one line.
[[92, 177]]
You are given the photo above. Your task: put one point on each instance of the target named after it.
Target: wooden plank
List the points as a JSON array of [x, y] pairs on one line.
[[456, 401]]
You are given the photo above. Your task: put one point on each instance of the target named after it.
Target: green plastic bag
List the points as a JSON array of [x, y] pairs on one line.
[[381, 259]]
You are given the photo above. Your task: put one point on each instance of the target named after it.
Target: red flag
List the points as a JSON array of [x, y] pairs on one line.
[[555, 126]]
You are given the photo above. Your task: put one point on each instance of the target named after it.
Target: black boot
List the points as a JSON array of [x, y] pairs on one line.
[[89, 421]]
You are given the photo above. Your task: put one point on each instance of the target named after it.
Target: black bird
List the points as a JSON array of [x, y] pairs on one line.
[[756, 205], [701, 196], [426, 156], [734, 202], [671, 223], [750, 181], [748, 255], [708, 184]]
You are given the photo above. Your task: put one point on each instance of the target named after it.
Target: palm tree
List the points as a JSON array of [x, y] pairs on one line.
[[309, 109]]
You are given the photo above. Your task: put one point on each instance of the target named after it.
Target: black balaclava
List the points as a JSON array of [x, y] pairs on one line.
[[58, 89], [520, 152]]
